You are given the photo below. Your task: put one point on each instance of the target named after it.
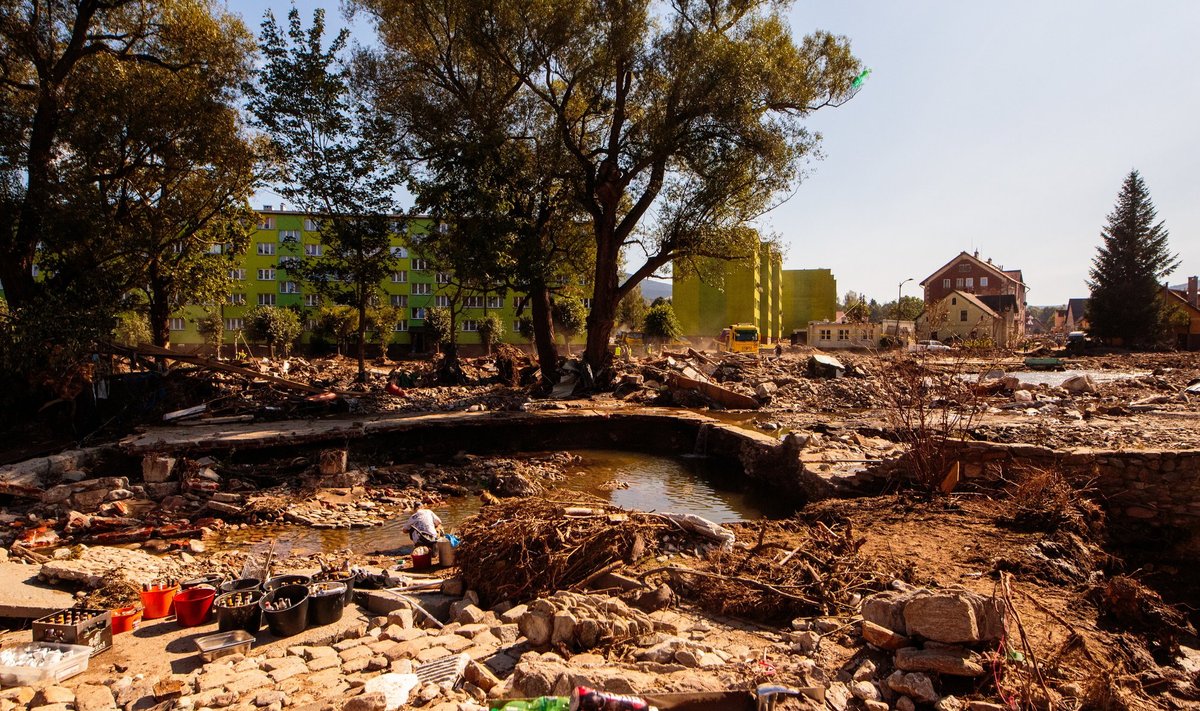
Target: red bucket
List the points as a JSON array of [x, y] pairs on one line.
[[157, 601], [125, 619], [422, 560], [193, 606]]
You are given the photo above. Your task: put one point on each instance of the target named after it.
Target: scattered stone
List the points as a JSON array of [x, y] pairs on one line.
[[883, 637], [955, 661], [372, 701], [918, 687], [865, 691]]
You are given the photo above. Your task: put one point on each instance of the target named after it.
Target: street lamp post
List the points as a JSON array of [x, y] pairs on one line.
[[899, 287]]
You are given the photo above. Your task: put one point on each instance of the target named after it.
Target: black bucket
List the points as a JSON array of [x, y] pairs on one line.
[[347, 578], [280, 580], [247, 616], [291, 620], [213, 580], [240, 585], [325, 604]]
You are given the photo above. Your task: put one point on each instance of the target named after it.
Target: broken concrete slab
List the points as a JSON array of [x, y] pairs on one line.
[[23, 596], [96, 562]]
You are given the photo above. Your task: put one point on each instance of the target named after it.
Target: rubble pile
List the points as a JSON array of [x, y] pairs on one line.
[[471, 474], [581, 622]]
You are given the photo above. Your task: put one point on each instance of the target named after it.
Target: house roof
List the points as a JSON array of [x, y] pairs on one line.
[[1181, 296], [1076, 308], [1011, 275], [975, 301]]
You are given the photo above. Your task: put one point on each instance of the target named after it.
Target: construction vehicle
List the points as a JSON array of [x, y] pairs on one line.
[[739, 338]]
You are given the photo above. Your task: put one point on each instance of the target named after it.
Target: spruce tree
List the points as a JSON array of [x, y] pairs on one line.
[[1125, 306]]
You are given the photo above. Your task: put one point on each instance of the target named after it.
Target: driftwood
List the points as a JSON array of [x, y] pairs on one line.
[[157, 352]]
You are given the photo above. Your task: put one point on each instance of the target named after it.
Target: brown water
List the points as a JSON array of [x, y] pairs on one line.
[[679, 485]]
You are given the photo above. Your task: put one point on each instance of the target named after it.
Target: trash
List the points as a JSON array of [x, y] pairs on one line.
[[585, 699], [823, 366]]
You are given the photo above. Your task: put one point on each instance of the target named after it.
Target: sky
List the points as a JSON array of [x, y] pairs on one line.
[[1003, 127]]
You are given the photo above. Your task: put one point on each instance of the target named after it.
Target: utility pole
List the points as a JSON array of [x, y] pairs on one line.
[[896, 313]]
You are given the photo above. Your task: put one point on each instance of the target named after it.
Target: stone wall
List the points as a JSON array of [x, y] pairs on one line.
[[1155, 487]]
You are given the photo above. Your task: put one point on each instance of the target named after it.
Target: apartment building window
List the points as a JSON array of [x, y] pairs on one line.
[[843, 334], [587, 304], [311, 225], [176, 324], [421, 289], [418, 313], [962, 315], [400, 301], [401, 326], [470, 325], [266, 275], [286, 235], [177, 248], [311, 324], [400, 252], [495, 302], [442, 302], [517, 301], [420, 264], [235, 299], [266, 223], [237, 274], [473, 302], [288, 287], [234, 324], [516, 326], [288, 263], [266, 249], [442, 278], [443, 228], [266, 299], [945, 283], [216, 248], [314, 250], [983, 281], [825, 334], [399, 277], [970, 282], [312, 300]]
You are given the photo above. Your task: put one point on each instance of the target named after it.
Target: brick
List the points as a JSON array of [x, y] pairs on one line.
[[472, 630], [286, 668], [402, 618], [356, 665], [354, 653], [321, 663], [454, 643], [311, 653], [249, 681], [428, 655], [348, 643]]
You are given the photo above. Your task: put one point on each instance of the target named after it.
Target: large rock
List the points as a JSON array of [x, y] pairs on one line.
[[156, 469], [886, 609], [1080, 384], [23, 596], [96, 562], [954, 661], [883, 637], [915, 685], [954, 617]]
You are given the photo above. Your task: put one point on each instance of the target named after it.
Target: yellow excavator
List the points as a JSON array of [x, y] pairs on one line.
[[739, 338]]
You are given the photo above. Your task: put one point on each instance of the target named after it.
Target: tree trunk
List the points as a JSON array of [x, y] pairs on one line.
[[362, 341], [17, 269], [605, 299], [160, 312], [543, 332]]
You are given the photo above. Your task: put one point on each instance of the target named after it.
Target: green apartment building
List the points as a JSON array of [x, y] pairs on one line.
[[756, 290], [262, 279]]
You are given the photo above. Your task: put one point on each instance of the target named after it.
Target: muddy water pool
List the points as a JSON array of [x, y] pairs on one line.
[[646, 483]]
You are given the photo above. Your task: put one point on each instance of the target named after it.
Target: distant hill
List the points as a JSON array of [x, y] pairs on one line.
[[653, 288]]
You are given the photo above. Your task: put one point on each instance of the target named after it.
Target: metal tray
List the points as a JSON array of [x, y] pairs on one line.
[[215, 646]]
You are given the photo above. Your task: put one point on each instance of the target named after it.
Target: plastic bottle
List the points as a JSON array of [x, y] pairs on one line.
[[542, 703], [585, 699]]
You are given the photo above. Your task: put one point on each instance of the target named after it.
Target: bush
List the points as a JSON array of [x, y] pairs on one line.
[[661, 324], [338, 323], [212, 328], [491, 330], [132, 328], [382, 321], [438, 324], [274, 326]]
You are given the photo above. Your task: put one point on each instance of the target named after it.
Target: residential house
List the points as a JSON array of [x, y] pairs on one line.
[[1187, 302], [1075, 319], [833, 335], [967, 317], [968, 274]]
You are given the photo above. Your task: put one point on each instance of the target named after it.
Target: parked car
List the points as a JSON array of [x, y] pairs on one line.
[[930, 346]]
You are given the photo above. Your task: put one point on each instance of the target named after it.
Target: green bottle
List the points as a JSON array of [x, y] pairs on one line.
[[542, 703]]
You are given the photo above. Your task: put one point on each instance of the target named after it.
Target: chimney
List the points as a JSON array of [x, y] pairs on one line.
[[977, 254], [1193, 297], [267, 207]]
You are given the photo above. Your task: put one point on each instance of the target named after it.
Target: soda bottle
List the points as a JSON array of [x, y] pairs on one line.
[[585, 699]]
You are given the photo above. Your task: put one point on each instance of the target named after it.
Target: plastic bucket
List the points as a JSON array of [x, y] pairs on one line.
[[247, 616], [325, 604], [240, 584], [125, 619], [157, 602], [212, 580], [279, 581], [347, 578], [421, 561], [290, 620], [193, 606], [445, 551]]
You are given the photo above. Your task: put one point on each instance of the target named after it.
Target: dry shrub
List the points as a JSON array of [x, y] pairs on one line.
[[1041, 499], [1127, 603], [1114, 690]]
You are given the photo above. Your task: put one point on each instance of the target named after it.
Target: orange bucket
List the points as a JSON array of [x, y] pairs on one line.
[[125, 619], [158, 601]]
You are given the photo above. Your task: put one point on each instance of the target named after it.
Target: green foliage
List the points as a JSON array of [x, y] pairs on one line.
[[439, 324], [570, 316], [525, 327], [1133, 257], [632, 310], [382, 321], [339, 323], [212, 328], [277, 327], [661, 325], [133, 328], [491, 331], [910, 308]]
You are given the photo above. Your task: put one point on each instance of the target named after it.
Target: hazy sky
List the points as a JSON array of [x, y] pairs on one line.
[[1003, 127]]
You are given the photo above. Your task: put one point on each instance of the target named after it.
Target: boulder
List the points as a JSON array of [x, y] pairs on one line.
[[886, 609], [954, 661], [156, 469], [915, 685], [954, 617], [1080, 384]]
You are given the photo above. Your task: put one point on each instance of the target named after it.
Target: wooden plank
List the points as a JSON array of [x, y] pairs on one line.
[[727, 398]]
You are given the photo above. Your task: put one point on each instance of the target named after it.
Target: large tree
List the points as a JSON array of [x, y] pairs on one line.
[[1127, 270], [678, 123], [330, 160]]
